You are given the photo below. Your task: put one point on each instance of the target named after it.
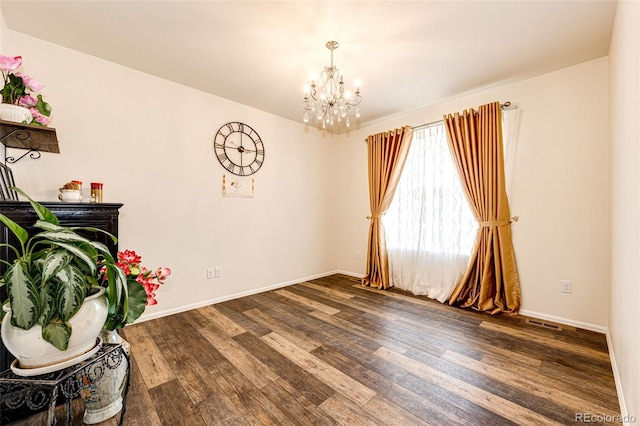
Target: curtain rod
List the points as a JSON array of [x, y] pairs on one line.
[[504, 106]]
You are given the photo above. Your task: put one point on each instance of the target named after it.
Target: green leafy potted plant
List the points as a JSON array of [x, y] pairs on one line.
[[48, 283]]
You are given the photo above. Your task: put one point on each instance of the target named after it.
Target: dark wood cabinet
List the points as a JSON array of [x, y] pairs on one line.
[[101, 216]]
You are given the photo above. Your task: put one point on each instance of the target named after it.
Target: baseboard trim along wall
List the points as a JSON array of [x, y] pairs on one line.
[[565, 321], [617, 379]]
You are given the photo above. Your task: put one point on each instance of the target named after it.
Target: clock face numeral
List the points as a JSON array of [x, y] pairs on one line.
[[239, 148]]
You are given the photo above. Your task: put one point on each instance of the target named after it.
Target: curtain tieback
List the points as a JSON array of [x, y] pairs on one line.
[[491, 223], [374, 216]]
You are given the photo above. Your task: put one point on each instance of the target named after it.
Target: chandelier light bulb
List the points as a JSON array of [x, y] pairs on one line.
[[330, 98]]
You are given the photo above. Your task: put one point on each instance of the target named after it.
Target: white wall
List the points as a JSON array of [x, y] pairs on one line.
[[625, 204], [560, 189], [150, 142]]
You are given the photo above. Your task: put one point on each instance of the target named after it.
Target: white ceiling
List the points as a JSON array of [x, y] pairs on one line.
[[407, 54]]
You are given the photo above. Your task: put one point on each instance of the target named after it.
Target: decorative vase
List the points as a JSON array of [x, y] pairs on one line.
[[15, 113], [102, 386], [32, 351]]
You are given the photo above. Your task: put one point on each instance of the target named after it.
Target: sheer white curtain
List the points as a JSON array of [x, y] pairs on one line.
[[510, 128], [429, 226]]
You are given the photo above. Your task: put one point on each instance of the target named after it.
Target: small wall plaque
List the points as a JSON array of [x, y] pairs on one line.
[[236, 186]]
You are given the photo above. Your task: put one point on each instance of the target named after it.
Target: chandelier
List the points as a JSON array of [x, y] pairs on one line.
[[328, 100]]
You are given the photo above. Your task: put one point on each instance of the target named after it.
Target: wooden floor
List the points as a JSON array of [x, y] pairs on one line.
[[330, 352]]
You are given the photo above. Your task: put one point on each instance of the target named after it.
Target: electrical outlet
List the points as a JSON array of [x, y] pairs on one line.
[[358, 255], [210, 273], [566, 286], [217, 272]]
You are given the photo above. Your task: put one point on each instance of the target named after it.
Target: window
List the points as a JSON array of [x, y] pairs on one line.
[[429, 227]]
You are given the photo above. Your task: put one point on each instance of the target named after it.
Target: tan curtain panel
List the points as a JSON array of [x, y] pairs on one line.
[[491, 282], [386, 154]]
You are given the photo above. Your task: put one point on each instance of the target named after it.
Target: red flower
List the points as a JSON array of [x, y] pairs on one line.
[[129, 256]]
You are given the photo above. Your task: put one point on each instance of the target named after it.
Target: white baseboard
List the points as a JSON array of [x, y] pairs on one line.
[[200, 304], [351, 274], [616, 376], [566, 321]]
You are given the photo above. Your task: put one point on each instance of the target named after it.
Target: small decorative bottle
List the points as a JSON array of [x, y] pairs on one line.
[[96, 192]]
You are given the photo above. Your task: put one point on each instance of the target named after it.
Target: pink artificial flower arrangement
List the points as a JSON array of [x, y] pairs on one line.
[[130, 262], [16, 90]]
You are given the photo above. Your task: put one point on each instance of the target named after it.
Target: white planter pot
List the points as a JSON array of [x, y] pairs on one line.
[[32, 351], [15, 113]]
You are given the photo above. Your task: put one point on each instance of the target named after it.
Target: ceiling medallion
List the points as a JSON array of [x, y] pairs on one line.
[[327, 100]]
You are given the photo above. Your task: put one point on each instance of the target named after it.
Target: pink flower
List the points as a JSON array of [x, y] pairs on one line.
[[162, 273], [10, 63], [151, 295], [42, 119], [30, 82], [144, 279], [28, 101], [151, 288]]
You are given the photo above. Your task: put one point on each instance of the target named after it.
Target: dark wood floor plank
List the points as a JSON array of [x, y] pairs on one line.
[[342, 383], [151, 360], [367, 372], [173, 407], [295, 406], [297, 377], [348, 413], [139, 408], [276, 324], [394, 341], [247, 363], [449, 407], [497, 404], [531, 384]]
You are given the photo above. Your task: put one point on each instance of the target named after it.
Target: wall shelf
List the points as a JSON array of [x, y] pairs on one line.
[[34, 139]]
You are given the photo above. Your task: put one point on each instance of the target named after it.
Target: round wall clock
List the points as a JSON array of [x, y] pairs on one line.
[[239, 148]]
